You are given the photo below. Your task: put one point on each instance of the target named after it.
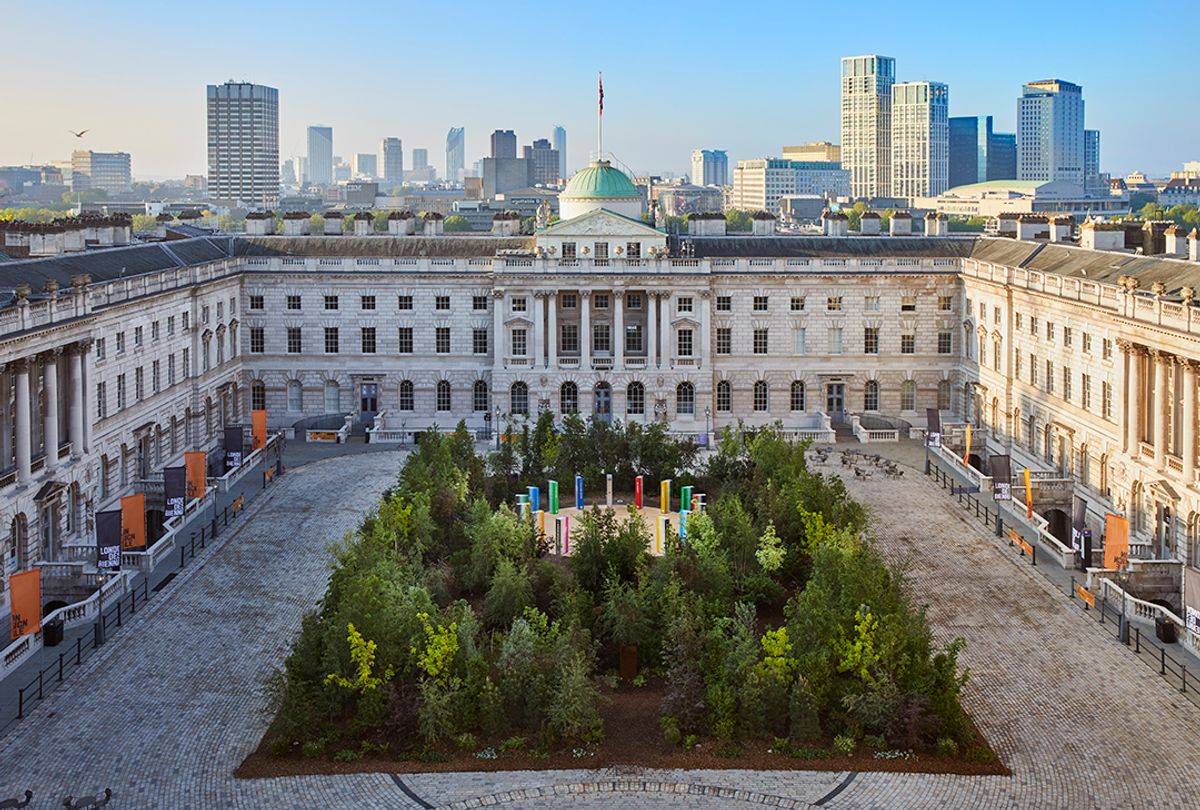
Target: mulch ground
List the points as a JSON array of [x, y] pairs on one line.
[[633, 738]]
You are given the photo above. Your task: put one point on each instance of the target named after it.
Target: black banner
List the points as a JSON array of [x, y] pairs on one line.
[[933, 432], [108, 540], [175, 491], [235, 446], [1078, 517], [1001, 467]]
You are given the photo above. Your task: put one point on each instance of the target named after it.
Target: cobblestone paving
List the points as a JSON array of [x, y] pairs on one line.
[[164, 714]]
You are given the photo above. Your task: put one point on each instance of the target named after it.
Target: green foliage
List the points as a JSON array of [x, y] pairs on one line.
[[770, 552], [436, 657], [625, 619], [510, 593], [574, 709], [456, 223], [738, 220], [362, 653], [844, 744]]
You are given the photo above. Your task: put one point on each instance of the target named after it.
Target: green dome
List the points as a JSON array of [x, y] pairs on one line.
[[600, 181]]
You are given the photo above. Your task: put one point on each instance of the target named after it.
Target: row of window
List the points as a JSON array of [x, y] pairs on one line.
[[368, 340], [119, 342], [139, 383], [833, 343], [368, 303], [1067, 389], [1050, 331]]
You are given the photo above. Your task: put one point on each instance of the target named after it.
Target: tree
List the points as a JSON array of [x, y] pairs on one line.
[[738, 220], [143, 223], [456, 223]]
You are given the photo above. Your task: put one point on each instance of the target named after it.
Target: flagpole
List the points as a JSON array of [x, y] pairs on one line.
[[600, 119]]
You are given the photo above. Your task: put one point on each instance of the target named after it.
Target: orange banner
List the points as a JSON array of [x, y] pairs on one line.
[[1116, 541], [1028, 496], [25, 602], [133, 521], [967, 452], [258, 430], [196, 462]]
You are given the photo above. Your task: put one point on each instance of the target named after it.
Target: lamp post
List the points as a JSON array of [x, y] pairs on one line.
[[707, 434], [496, 423]]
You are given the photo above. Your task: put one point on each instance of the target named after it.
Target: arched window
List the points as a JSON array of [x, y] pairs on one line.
[[798, 403], [443, 395], [479, 396], [518, 399], [685, 398], [568, 398], [871, 396], [724, 397], [943, 395], [908, 396], [760, 395], [333, 397], [406, 395], [635, 398], [258, 395]]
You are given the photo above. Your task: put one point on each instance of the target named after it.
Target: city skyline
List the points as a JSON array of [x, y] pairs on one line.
[[167, 140]]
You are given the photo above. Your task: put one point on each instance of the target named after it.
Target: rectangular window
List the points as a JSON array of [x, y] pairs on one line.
[[834, 339], [366, 302], [871, 303], [798, 341], [1050, 331], [479, 303], [1067, 336], [406, 340], [725, 303], [1033, 368], [170, 369], [1106, 349], [331, 302], [368, 340], [1017, 365], [170, 325], [760, 303], [1049, 377], [996, 355], [479, 341], [570, 301], [633, 300], [154, 331], [760, 341], [683, 304], [1033, 325], [908, 344], [1106, 400], [724, 340], [294, 344], [683, 343], [996, 316], [601, 337], [293, 302], [441, 303], [155, 378], [442, 340], [1066, 383], [797, 303], [908, 303], [520, 344], [724, 397], [1017, 321], [569, 250], [945, 303], [520, 304], [204, 315], [633, 250], [99, 349], [120, 343], [871, 339], [185, 363], [1085, 391], [833, 303], [443, 396], [256, 302], [945, 346], [258, 340], [101, 400], [183, 320], [404, 303], [1087, 342], [600, 301], [139, 384], [601, 250], [120, 392], [331, 340], [568, 338], [633, 338]]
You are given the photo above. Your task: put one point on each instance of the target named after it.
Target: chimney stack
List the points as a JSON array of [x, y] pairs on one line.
[[333, 223], [901, 224]]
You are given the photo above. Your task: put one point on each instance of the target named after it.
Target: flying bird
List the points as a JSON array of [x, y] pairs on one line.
[[78, 134]]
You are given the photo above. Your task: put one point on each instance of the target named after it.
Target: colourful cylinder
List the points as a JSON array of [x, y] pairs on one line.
[[566, 534], [608, 496], [685, 498], [665, 494], [683, 516], [553, 487], [535, 498], [637, 492], [578, 491]]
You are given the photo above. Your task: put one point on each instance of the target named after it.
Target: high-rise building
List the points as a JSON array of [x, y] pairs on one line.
[[543, 160], [920, 139], [102, 171], [504, 143], [420, 160], [1092, 183], [1050, 136], [867, 123], [710, 167], [758, 184], [977, 154], [456, 159], [820, 151], [243, 142], [287, 175], [560, 144], [364, 166], [301, 169], [320, 156], [391, 156]]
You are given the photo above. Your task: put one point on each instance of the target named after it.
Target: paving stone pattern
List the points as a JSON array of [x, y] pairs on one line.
[[164, 714]]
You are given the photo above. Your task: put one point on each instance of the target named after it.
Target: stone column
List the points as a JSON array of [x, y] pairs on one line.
[[585, 330], [6, 447], [539, 328], [552, 329], [705, 328], [664, 337], [618, 337], [1133, 407], [85, 406], [50, 393], [499, 350], [651, 330], [24, 428], [1188, 426], [1160, 408]]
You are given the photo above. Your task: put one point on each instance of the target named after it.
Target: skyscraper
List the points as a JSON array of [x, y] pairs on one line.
[[243, 142], [544, 162], [867, 123], [103, 171], [920, 139], [391, 156], [710, 167], [320, 156], [560, 143], [1091, 162], [420, 160], [504, 144], [455, 154], [364, 166], [977, 154], [1050, 140]]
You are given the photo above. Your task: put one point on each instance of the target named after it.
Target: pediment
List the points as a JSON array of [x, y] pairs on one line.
[[1161, 491], [600, 222]]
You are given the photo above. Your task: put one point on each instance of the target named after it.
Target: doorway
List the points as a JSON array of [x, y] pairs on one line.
[[368, 402], [603, 403], [835, 401]]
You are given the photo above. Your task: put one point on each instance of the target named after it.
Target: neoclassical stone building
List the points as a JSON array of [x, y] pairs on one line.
[[115, 360]]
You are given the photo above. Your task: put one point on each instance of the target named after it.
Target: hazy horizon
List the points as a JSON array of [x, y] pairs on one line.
[[677, 76]]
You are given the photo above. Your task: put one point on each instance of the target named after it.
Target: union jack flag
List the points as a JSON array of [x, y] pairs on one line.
[[601, 75]]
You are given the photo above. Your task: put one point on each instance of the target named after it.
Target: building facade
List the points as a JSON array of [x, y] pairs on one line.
[[504, 144], [867, 123], [920, 139], [1093, 182], [364, 166], [543, 160], [560, 144], [759, 184], [391, 163], [243, 143], [1050, 140], [977, 154], [455, 154], [320, 156], [710, 167], [820, 151], [101, 171]]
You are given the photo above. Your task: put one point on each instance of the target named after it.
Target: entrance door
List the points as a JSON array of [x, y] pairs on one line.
[[369, 402], [835, 401], [50, 529], [603, 409]]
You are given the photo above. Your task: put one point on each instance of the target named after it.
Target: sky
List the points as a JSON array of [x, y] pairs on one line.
[[744, 77]]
